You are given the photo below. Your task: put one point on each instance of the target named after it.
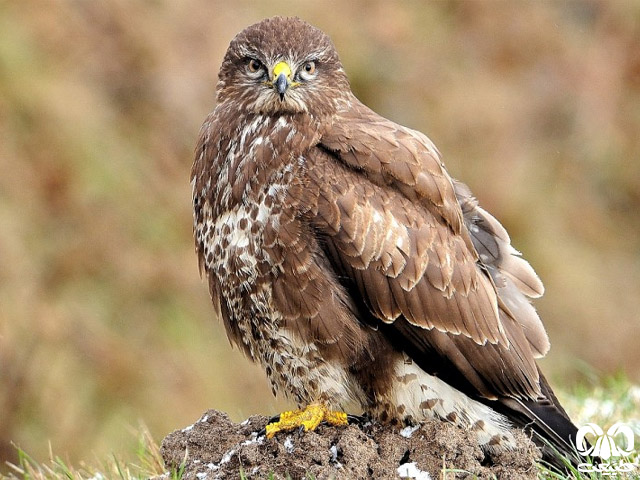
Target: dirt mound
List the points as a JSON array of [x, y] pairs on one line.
[[216, 448]]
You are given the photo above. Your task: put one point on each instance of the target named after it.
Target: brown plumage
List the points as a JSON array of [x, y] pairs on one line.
[[343, 257]]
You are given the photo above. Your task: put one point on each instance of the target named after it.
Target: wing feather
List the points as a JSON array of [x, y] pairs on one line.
[[395, 156], [513, 277], [400, 231]]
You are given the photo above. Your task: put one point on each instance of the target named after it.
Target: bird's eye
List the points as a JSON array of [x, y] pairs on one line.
[[254, 66], [308, 71], [310, 68]]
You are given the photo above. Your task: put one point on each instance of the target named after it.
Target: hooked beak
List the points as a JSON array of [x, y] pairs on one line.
[[281, 78], [281, 85]]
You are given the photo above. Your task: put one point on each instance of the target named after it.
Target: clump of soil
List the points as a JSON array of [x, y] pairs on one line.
[[217, 448]]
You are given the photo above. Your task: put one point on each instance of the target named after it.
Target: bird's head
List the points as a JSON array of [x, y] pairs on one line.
[[282, 65]]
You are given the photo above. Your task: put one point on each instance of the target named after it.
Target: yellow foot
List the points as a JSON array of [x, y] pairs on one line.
[[309, 418]]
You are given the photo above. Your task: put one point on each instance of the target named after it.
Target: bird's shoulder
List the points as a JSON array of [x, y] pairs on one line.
[[395, 156]]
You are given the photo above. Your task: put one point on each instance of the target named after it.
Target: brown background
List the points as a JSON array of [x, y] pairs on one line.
[[103, 318]]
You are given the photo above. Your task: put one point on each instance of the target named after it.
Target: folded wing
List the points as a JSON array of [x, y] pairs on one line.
[[435, 269]]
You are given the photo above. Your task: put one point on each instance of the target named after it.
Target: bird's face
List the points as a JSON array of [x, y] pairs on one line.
[[282, 65]]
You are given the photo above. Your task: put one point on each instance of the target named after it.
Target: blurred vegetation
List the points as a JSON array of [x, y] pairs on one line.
[[103, 318]]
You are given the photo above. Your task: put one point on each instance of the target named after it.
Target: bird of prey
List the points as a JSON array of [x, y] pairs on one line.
[[343, 257]]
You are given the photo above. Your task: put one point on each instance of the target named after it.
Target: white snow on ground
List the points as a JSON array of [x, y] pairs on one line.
[[406, 432], [288, 445], [410, 470], [334, 456], [227, 456], [254, 439]]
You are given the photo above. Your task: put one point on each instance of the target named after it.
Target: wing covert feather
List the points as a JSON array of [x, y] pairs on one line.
[[395, 156], [426, 278]]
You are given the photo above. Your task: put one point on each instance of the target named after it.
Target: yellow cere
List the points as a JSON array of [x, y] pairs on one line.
[[282, 67]]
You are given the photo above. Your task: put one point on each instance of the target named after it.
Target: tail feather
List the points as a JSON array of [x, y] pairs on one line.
[[550, 426]]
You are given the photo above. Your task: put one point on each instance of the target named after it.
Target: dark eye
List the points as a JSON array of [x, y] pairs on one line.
[[254, 66], [308, 70]]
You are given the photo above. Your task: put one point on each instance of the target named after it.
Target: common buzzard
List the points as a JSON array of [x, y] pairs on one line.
[[344, 259]]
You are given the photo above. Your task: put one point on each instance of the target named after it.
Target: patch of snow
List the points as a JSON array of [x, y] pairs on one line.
[[201, 475], [410, 470], [186, 429], [212, 466], [254, 439], [334, 456], [406, 432], [246, 422], [288, 445], [204, 419], [227, 456], [334, 453]]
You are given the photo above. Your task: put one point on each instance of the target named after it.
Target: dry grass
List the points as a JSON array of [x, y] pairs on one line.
[[147, 464], [103, 318]]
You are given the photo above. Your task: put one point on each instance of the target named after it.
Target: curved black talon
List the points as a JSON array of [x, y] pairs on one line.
[[274, 419], [359, 420], [263, 431]]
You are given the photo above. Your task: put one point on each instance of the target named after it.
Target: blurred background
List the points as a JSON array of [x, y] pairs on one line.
[[104, 321]]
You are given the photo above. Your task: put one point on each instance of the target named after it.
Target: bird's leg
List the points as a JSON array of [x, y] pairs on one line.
[[308, 418]]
